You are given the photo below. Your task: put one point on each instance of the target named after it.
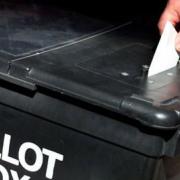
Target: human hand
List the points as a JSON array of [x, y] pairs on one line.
[[171, 13]]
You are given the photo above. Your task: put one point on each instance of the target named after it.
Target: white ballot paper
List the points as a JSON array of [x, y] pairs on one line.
[[165, 56]]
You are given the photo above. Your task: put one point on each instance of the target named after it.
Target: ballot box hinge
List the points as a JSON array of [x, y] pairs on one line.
[[16, 75]]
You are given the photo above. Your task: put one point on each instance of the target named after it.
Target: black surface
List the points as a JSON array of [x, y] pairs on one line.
[[85, 157], [87, 59], [77, 85], [99, 62], [29, 27]]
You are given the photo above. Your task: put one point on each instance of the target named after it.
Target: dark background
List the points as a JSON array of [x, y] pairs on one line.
[[110, 10], [29, 25]]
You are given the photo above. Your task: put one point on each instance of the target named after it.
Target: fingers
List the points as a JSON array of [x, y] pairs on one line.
[[161, 23], [177, 42], [168, 15], [171, 13]]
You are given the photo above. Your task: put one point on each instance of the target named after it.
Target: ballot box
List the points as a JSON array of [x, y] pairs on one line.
[[76, 103]]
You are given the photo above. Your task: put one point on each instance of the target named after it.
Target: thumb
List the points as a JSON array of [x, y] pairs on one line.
[[167, 16]]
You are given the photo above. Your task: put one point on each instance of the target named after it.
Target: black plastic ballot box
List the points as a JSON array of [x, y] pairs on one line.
[[75, 101]]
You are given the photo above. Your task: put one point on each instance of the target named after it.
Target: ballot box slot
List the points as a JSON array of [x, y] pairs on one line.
[[129, 64]]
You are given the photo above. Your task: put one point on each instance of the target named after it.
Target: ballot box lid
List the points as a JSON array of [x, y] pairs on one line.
[[96, 62]]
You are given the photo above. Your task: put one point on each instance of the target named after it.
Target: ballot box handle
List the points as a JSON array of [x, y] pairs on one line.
[[149, 114]]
